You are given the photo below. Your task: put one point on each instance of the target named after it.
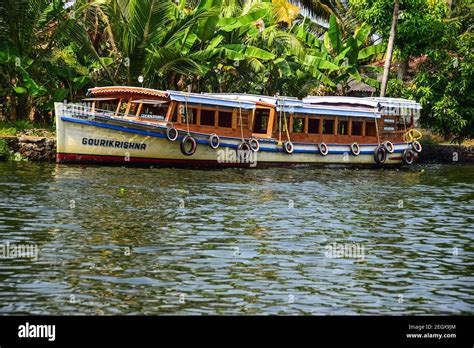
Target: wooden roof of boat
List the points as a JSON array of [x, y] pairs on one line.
[[110, 90]]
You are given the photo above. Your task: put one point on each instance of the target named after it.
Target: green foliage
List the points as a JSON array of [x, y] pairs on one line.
[[20, 126], [420, 22], [4, 150], [6, 154], [260, 46], [345, 58], [444, 85], [50, 53]]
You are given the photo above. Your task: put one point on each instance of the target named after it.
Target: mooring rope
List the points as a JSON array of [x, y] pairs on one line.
[[286, 125], [240, 120], [187, 111], [377, 131]]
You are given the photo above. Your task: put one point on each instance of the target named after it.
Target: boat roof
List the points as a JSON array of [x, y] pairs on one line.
[[372, 107], [208, 99], [127, 89], [374, 102]]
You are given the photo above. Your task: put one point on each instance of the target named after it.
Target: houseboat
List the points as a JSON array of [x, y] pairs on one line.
[[141, 126]]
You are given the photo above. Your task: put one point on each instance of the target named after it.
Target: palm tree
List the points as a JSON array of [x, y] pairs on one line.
[[391, 40], [27, 36]]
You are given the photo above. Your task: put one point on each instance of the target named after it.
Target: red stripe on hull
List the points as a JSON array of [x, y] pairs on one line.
[[138, 161], [165, 162]]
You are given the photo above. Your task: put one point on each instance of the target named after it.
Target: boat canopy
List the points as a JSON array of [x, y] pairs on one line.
[[252, 97], [381, 104], [342, 110], [294, 105], [371, 107], [208, 99]]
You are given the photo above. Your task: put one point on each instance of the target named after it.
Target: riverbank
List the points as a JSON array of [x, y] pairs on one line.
[[447, 154], [30, 148]]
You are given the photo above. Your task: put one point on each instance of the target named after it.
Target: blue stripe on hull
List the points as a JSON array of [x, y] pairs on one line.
[[205, 142]]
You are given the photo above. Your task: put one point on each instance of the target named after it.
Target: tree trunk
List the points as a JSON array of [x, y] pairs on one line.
[[389, 54], [22, 107], [403, 68]]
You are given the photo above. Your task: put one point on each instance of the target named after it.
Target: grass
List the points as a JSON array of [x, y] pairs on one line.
[[19, 127]]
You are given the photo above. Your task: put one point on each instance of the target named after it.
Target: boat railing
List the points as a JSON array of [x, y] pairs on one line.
[[88, 112]]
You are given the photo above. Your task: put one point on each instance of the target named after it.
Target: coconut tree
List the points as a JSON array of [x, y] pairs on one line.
[[26, 40], [389, 54]]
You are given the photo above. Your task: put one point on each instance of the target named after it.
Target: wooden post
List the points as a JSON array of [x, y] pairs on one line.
[[271, 118], [129, 104], [139, 109], [118, 106], [170, 111]]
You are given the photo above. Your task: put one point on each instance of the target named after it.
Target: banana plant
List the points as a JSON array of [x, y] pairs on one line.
[[346, 58]]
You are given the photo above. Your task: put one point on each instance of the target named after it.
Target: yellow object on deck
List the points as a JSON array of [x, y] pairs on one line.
[[412, 135]]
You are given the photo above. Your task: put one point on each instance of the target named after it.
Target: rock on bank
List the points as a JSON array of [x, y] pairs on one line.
[[32, 147]]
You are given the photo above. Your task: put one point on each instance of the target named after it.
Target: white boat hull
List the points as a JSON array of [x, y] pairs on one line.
[[106, 140]]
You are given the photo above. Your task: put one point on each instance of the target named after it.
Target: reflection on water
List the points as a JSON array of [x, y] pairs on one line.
[[237, 241]]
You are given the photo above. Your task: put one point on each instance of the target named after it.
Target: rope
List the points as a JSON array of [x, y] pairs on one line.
[[377, 131], [241, 124], [187, 112], [279, 128], [412, 135], [404, 128], [286, 126]]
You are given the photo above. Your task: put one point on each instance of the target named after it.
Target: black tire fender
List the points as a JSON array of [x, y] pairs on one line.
[[171, 133], [188, 139], [323, 149]]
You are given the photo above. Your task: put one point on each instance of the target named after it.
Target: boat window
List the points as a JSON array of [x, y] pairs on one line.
[[313, 125], [132, 110], [123, 107], [357, 127], [370, 129], [225, 119], [261, 120], [108, 105], [328, 126], [342, 127], [154, 111], [298, 125], [192, 114], [208, 117]]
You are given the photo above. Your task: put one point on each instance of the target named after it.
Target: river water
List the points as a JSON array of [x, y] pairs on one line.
[[321, 241]]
